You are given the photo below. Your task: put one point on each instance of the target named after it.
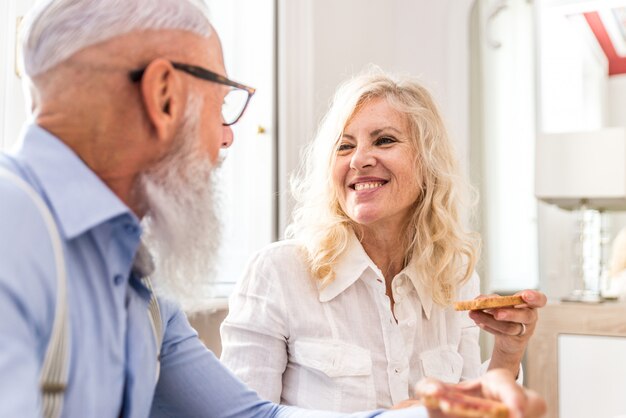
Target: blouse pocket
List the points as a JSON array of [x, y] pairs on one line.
[[333, 358], [443, 363], [333, 375]]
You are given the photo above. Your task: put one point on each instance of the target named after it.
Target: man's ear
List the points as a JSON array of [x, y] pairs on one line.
[[163, 96]]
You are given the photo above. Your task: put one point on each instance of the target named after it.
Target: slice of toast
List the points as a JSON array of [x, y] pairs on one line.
[[465, 406], [488, 303]]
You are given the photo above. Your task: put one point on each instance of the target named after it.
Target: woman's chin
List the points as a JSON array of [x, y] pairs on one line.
[[365, 218]]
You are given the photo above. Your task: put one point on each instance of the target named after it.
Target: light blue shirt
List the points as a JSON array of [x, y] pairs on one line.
[[112, 368]]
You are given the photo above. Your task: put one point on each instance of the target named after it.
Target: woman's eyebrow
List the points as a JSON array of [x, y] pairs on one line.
[[386, 128]]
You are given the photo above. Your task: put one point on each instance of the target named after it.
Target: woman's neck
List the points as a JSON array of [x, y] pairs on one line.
[[386, 248], [388, 255]]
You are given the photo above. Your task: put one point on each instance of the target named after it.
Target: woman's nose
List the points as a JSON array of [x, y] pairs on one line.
[[363, 157]]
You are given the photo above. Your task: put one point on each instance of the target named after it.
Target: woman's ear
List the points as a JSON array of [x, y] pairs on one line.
[[163, 96]]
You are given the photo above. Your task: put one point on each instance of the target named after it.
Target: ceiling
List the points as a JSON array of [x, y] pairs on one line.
[[609, 27]]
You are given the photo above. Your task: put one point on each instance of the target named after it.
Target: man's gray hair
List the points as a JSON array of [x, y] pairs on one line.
[[54, 30]]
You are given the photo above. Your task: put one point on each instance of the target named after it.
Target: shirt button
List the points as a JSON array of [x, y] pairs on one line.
[[118, 279], [130, 229], [396, 371]]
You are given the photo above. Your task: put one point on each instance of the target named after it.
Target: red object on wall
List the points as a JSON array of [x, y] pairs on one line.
[[617, 64]]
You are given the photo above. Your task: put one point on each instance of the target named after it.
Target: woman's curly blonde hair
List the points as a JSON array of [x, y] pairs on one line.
[[443, 251]]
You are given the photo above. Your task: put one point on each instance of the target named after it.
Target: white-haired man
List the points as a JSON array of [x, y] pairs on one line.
[[129, 115]]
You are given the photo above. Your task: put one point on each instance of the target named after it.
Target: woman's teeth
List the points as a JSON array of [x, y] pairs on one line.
[[363, 186]]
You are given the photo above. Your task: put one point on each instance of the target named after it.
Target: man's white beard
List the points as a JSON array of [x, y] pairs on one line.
[[182, 229]]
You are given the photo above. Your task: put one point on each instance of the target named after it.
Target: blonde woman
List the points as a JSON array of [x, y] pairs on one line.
[[355, 309]]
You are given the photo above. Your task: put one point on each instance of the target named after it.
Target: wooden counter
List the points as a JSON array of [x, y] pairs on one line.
[[605, 319]]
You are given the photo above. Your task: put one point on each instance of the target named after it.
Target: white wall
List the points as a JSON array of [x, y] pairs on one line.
[[325, 41], [616, 100], [419, 37]]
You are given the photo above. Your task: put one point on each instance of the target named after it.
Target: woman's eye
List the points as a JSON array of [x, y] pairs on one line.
[[384, 140], [344, 147]]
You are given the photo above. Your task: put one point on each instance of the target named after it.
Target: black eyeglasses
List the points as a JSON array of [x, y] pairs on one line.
[[236, 100]]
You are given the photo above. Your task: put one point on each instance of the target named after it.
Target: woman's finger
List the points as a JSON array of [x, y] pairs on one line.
[[533, 298], [512, 328], [520, 315], [508, 333]]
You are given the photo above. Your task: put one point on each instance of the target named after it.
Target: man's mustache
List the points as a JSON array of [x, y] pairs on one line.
[[221, 156]]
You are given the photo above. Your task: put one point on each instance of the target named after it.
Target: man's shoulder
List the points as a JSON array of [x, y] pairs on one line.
[[18, 209], [25, 245]]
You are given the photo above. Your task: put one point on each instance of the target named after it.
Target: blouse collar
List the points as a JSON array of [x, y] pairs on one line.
[[351, 266]]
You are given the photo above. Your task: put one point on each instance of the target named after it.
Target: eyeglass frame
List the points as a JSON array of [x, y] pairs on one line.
[[204, 74]]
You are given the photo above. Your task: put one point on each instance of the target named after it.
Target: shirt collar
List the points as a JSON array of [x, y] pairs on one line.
[[354, 261], [63, 176], [349, 268], [424, 291]]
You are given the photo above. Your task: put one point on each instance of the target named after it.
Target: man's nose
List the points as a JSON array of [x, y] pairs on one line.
[[227, 137], [363, 157]]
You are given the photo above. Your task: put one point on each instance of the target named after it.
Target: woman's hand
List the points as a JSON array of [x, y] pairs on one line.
[[512, 328]]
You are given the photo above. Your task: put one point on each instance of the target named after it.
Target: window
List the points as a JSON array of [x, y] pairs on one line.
[[246, 29], [13, 110]]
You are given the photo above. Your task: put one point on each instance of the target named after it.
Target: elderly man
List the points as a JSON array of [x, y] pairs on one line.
[[130, 111]]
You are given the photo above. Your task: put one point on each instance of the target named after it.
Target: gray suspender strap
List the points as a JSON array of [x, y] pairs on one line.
[[157, 325], [143, 267], [53, 378]]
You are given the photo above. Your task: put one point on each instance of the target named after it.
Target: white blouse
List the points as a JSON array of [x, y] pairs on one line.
[[339, 348]]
